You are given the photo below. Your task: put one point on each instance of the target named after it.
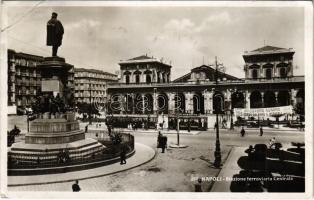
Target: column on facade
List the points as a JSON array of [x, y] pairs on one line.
[[121, 103], [247, 99], [262, 98], [143, 103], [188, 102], [293, 97], [208, 101], [276, 96], [155, 102], [160, 77], [154, 74], [261, 72], [228, 99], [275, 69], [142, 79], [132, 79], [171, 102]]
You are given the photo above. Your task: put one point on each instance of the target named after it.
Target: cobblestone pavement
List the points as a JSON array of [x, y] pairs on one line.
[[172, 171]]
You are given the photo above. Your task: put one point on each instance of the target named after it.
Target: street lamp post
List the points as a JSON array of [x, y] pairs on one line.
[[178, 120], [217, 162], [177, 116], [27, 122]]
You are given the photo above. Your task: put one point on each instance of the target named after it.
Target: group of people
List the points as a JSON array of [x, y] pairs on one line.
[[161, 142], [242, 132]]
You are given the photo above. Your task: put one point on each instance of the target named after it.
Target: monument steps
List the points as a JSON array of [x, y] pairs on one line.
[[54, 134], [64, 168]]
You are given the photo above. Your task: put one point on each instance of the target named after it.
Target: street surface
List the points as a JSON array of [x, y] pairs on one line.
[[173, 170]]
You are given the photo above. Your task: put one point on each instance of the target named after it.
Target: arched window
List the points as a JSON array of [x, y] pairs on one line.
[[148, 79], [268, 73], [137, 78], [127, 79], [158, 77], [254, 73], [218, 102], [283, 72]]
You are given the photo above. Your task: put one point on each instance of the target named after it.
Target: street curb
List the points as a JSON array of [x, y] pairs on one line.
[[90, 177], [212, 183]]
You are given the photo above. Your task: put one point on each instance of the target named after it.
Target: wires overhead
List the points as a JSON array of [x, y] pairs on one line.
[[30, 44], [45, 51], [26, 14]]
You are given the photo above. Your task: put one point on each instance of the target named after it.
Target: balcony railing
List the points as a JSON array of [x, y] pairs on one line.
[[276, 79], [223, 82]]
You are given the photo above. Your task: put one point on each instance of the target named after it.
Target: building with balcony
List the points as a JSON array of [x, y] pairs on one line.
[[269, 82], [90, 84], [24, 78], [144, 70]]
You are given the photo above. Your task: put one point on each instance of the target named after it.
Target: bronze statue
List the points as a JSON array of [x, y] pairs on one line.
[[54, 33]]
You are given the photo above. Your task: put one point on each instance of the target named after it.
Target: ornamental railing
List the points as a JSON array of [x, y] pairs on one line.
[[69, 157]]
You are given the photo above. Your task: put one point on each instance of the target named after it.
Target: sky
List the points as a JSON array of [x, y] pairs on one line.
[[99, 37]]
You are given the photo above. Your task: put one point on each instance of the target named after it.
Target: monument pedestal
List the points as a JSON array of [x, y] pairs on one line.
[[49, 138]]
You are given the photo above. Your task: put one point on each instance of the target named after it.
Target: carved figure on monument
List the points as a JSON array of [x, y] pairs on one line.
[[55, 33]]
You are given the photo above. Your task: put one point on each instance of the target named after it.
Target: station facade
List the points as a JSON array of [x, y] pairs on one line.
[[146, 92]]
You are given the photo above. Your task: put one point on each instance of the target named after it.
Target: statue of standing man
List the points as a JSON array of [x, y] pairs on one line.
[[54, 33]]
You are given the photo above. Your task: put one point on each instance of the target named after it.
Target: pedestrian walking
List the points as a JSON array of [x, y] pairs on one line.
[[76, 187], [86, 128], [224, 122], [261, 131], [163, 144], [242, 132], [198, 185], [123, 156]]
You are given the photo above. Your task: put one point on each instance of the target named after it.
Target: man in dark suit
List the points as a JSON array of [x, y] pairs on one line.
[[55, 33], [76, 187]]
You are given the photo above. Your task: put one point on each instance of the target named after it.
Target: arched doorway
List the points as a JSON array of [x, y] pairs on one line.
[[148, 104], [198, 103], [218, 102], [256, 100], [269, 99], [283, 98], [237, 100], [115, 105], [138, 104], [179, 103], [162, 100]]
